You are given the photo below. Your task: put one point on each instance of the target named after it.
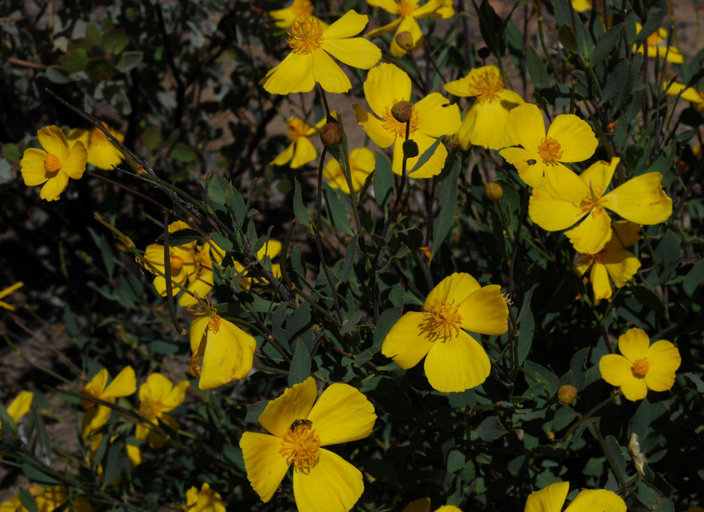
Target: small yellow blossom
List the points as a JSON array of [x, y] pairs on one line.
[[288, 15], [695, 97], [566, 199], [362, 164], [203, 281], [430, 118], [101, 152], [569, 139], [582, 5], [54, 164], [182, 258], [640, 366], [301, 150], [157, 397], [312, 46], [19, 407], [205, 500], [49, 499], [96, 415], [270, 250], [656, 48], [454, 360], [7, 291], [299, 426], [552, 498], [484, 124]]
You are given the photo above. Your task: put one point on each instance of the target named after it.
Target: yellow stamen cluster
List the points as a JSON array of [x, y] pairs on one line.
[[550, 150], [305, 35], [442, 321], [486, 86], [300, 446], [150, 409], [52, 163], [390, 123], [592, 201], [214, 323], [406, 7], [296, 129], [641, 367]]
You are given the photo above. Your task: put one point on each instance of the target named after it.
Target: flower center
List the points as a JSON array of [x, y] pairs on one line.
[[52, 163], [640, 367], [150, 409], [390, 123], [305, 35], [550, 150], [442, 321], [296, 129], [486, 86], [406, 7], [302, 8], [176, 262], [593, 200], [214, 323], [300, 446]]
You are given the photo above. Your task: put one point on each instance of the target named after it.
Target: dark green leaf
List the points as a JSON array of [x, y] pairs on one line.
[[300, 364], [383, 180], [182, 153], [447, 207], [490, 429], [538, 72], [605, 44], [299, 208], [694, 278]]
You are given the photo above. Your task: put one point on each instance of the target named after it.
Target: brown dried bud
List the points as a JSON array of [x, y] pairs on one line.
[[402, 111], [405, 40], [331, 134], [493, 191], [566, 394]]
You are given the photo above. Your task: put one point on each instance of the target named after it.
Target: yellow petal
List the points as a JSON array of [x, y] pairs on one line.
[[265, 467], [20, 405], [389, 6], [270, 249], [328, 73], [614, 368], [54, 186], [96, 385], [597, 499], [664, 359], [685, 93], [94, 418], [385, 29], [405, 343], [621, 266], [598, 175], [436, 116], [32, 167], [124, 384], [175, 396], [356, 52], [590, 235], [457, 365], [334, 485], [197, 330], [625, 234], [104, 155], [285, 156], [385, 85], [362, 160], [576, 138], [294, 404], [640, 199], [284, 18], [455, 287], [485, 125], [229, 354], [549, 499], [633, 388], [600, 283], [54, 141], [448, 508], [529, 165], [485, 311], [459, 87], [75, 163], [134, 453], [526, 127], [293, 74], [551, 213], [432, 167], [374, 128], [419, 505], [350, 24], [200, 288], [342, 414], [669, 53], [304, 152], [633, 344]]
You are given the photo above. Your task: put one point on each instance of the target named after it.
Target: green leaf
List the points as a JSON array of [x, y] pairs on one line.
[[113, 466], [28, 501], [183, 236], [538, 72], [182, 153], [491, 28], [337, 208], [383, 180], [115, 40], [58, 75], [151, 137], [300, 364], [694, 278], [74, 60], [223, 242], [299, 209], [11, 152], [105, 252], [447, 207], [606, 43], [455, 461], [667, 255], [38, 476], [526, 329], [490, 429], [99, 68], [163, 347], [568, 38], [386, 321]]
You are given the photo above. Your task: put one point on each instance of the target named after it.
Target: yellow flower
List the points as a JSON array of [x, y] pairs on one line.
[[687, 93], [203, 280], [157, 397], [409, 11], [455, 360], [565, 199], [641, 366], [182, 262], [362, 164], [484, 124], [205, 500], [7, 291], [612, 261], [271, 250], [96, 415], [322, 480], [19, 407], [655, 48], [226, 351], [301, 150], [432, 117], [12, 505], [423, 505], [552, 498], [54, 164], [101, 152], [309, 62], [49, 499], [582, 5], [569, 139]]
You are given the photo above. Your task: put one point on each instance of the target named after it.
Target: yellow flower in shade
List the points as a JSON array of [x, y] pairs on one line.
[[569, 139], [54, 164], [203, 280], [19, 407], [641, 366], [430, 118], [484, 124], [49, 499], [157, 397], [322, 480], [7, 291], [423, 505], [222, 352], [656, 48], [309, 62], [582, 5], [183, 261], [12, 505], [454, 360], [101, 152], [96, 415], [566, 199], [362, 164], [687, 93], [301, 150], [285, 17], [409, 11], [205, 500], [271, 250], [613, 261], [552, 498]]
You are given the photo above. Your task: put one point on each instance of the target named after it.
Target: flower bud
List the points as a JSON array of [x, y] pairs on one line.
[[405, 40], [493, 191], [402, 111], [566, 394], [331, 134]]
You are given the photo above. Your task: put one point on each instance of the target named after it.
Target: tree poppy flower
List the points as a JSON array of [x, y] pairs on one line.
[[309, 62], [552, 498], [182, 259], [157, 397], [298, 427], [54, 164], [202, 282], [569, 139], [362, 164], [301, 150], [565, 199], [96, 415], [454, 360], [205, 500], [640, 366], [484, 124], [101, 152], [431, 117]]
